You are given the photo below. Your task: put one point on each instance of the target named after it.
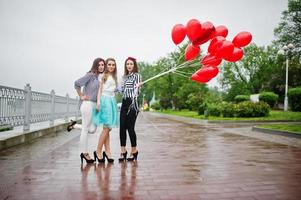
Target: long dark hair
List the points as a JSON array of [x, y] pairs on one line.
[[135, 70], [94, 68]]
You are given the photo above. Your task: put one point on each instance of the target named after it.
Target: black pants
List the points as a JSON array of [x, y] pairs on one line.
[[127, 123]]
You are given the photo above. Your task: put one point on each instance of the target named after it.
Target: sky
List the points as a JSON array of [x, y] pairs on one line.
[[50, 44]]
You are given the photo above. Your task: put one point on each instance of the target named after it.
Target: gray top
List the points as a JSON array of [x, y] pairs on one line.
[[90, 84]]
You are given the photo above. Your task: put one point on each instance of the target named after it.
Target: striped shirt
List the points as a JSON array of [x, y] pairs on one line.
[[129, 88]]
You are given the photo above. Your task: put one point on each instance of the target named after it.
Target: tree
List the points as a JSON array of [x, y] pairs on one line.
[[288, 31], [250, 75]]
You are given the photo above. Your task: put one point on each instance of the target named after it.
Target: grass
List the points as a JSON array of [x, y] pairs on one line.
[[274, 115], [5, 128], [283, 127]]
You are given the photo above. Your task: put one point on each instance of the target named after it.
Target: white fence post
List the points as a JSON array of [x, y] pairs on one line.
[[67, 110], [52, 108], [27, 114]]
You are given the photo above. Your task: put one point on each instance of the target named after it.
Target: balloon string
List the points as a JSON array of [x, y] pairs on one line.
[[182, 75], [173, 69]]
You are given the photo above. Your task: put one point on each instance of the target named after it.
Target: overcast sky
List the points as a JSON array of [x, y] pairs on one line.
[[49, 44]]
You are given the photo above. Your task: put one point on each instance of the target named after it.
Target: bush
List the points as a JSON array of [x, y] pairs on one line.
[[202, 108], [241, 98], [214, 110], [228, 109], [250, 109], [269, 97], [194, 100], [294, 98], [156, 106], [165, 103]]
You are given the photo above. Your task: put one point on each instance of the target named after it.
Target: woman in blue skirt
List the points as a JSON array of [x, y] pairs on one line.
[[105, 113]]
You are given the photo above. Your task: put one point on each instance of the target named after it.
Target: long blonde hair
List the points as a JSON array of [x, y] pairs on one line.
[[106, 73]]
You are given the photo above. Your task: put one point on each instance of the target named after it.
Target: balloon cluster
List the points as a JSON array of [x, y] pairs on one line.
[[219, 47]]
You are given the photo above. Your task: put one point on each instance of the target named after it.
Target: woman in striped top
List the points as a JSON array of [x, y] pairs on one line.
[[129, 109]]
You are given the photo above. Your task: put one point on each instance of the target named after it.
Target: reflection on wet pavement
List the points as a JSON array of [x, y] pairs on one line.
[[176, 161]]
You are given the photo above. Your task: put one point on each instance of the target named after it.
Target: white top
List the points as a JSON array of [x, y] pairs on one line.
[[109, 87], [100, 77]]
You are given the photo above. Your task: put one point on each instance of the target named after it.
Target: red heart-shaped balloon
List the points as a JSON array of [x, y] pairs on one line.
[[178, 33], [192, 52], [242, 39], [199, 79], [221, 31], [208, 71], [236, 55], [214, 43], [193, 29], [211, 60], [206, 34]]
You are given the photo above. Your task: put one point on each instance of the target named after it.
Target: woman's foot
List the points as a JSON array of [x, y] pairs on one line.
[[87, 158], [133, 156], [123, 156], [70, 126], [110, 160], [97, 157]]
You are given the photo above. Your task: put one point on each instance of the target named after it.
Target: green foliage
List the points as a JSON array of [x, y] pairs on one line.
[[241, 98], [156, 106], [214, 110], [288, 31], [165, 103], [228, 109], [251, 74], [294, 98], [250, 109], [269, 97]]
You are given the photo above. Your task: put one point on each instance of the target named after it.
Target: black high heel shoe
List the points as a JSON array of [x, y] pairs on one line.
[[100, 160], [123, 156], [82, 156], [70, 126], [133, 157], [110, 160]]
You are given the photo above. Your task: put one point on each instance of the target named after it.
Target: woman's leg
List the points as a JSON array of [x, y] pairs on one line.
[[131, 120], [102, 138], [107, 145], [86, 112], [123, 127]]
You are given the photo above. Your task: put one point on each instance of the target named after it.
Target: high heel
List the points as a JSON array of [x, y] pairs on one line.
[[110, 160], [70, 126], [123, 156], [100, 160], [133, 157], [82, 156]]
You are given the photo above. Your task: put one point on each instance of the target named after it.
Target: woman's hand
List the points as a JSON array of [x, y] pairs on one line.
[[139, 84], [84, 97]]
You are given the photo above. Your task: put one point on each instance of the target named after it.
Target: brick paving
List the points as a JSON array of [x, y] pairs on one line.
[[177, 160]]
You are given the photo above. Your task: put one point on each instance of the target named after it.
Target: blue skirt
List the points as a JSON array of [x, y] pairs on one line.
[[107, 116]]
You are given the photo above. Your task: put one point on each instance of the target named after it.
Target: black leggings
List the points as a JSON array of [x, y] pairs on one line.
[[127, 122]]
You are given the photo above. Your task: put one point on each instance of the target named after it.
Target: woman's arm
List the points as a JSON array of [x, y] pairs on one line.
[[79, 83], [99, 95], [138, 83]]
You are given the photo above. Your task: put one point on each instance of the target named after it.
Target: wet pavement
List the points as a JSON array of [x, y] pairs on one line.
[[177, 160]]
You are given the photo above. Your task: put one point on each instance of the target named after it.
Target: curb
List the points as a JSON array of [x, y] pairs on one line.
[[250, 121], [272, 131], [26, 137]]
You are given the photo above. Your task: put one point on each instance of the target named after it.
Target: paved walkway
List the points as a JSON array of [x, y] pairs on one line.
[[176, 161]]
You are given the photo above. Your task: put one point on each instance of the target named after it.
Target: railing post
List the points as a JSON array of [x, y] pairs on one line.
[[77, 110], [27, 114], [67, 105], [52, 108]]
